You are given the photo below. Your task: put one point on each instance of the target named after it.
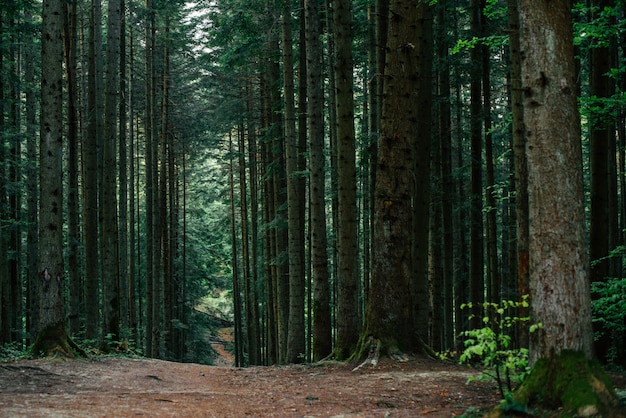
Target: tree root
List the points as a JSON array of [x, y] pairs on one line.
[[374, 353]]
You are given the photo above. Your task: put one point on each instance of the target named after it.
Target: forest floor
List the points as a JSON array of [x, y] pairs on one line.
[[105, 386]]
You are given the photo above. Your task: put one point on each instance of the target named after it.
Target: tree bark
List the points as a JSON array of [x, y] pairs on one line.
[[51, 333], [348, 321], [601, 136], [519, 164], [75, 272], [296, 347], [477, 280], [322, 329], [90, 179], [559, 257], [110, 258], [389, 315]]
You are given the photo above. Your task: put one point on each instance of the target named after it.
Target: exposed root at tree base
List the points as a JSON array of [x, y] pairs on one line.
[[373, 347], [53, 341]]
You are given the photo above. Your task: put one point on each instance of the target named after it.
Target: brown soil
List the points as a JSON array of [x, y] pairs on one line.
[[109, 386], [121, 387]]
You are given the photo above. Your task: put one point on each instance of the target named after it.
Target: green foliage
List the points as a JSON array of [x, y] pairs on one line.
[[609, 310], [467, 44], [491, 345], [12, 352]]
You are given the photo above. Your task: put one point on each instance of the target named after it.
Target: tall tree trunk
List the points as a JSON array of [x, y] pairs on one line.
[[134, 323], [303, 197], [421, 182], [520, 165], [559, 256], [76, 304], [389, 315], [494, 287], [124, 178], [110, 258], [6, 310], [447, 181], [15, 178], [477, 282], [245, 242], [348, 321], [322, 330], [253, 301], [51, 336], [149, 186], [32, 198], [270, 316], [90, 178], [296, 346], [239, 360], [163, 285], [556, 206], [601, 135]]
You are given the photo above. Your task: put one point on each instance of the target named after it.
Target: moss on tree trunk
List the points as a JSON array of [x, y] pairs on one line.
[[569, 381]]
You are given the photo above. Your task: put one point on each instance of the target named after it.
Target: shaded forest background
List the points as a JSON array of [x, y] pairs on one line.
[[203, 190]]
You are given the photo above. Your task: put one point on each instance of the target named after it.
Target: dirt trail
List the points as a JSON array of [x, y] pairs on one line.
[[122, 387]]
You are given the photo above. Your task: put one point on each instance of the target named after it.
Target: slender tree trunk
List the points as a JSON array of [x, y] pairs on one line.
[[239, 361], [76, 305], [163, 290], [494, 287], [422, 165], [601, 135], [253, 302], [110, 257], [322, 330], [296, 347], [520, 165], [32, 198], [6, 310], [271, 268], [477, 282], [51, 336], [245, 242], [302, 181], [149, 186], [90, 180], [15, 178], [348, 320], [447, 181], [124, 178]]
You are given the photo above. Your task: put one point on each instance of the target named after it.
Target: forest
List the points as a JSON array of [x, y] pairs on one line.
[[331, 178]]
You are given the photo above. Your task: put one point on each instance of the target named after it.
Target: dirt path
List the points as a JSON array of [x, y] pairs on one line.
[[121, 387]]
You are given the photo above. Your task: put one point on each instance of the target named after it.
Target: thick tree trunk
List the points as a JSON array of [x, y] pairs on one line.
[[389, 316], [561, 350]]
